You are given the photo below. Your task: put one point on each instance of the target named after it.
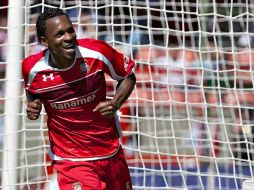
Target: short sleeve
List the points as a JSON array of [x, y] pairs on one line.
[[115, 64]]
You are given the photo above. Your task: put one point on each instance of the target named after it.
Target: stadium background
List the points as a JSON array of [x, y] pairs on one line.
[[188, 124]]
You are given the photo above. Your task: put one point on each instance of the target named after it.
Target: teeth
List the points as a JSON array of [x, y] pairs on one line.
[[69, 45]]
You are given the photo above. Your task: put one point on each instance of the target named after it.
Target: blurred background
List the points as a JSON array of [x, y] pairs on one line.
[[189, 122]]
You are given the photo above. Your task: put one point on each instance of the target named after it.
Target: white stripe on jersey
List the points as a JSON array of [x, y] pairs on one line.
[[59, 86], [43, 64], [39, 66], [55, 157], [97, 55], [118, 124]]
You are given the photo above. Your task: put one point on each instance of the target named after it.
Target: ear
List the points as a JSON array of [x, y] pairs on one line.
[[44, 41]]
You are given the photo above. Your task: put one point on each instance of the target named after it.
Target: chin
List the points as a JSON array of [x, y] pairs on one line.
[[69, 55]]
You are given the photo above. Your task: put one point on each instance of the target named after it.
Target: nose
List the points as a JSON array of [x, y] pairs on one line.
[[68, 36]]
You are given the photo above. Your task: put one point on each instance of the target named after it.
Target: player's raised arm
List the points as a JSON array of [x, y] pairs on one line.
[[124, 89], [34, 106]]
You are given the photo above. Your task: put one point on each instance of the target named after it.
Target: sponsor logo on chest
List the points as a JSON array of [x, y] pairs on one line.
[[73, 103]]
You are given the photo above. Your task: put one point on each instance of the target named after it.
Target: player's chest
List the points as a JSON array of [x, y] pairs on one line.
[[83, 74], [81, 89]]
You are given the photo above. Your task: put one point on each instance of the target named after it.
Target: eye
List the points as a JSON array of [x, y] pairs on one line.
[[60, 34], [70, 30]]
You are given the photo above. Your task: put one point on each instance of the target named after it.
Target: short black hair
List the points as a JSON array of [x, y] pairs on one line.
[[47, 14]]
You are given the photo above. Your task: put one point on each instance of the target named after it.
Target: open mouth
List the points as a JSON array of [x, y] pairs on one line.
[[69, 46]]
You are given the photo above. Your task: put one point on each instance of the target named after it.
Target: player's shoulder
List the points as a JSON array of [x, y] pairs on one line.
[[89, 41], [29, 62], [33, 59], [94, 44]]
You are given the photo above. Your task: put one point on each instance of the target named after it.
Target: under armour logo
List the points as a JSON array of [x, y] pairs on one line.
[[51, 77]]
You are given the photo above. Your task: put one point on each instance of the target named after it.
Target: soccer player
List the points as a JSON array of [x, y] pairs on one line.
[[68, 79]]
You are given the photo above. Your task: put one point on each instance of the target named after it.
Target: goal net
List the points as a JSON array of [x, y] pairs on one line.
[[189, 122]]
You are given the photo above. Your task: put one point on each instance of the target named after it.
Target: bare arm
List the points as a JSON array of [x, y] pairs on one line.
[[124, 89], [34, 106]]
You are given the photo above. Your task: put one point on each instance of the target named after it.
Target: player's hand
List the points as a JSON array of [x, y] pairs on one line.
[[107, 109], [33, 109]]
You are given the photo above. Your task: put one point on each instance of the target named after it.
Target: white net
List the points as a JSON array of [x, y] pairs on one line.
[[189, 122]]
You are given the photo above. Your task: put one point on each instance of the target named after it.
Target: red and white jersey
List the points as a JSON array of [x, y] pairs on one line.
[[70, 95]]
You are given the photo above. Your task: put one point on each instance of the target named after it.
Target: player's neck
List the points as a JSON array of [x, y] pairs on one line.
[[59, 62]]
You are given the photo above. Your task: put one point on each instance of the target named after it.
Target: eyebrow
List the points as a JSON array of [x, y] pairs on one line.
[[60, 31]]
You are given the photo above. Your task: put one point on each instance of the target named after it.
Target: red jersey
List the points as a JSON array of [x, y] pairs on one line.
[[70, 95]]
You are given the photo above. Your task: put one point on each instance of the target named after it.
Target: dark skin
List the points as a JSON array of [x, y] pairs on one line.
[[60, 39]]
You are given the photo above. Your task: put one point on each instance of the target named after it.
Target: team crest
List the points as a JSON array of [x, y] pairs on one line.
[[77, 186], [83, 66]]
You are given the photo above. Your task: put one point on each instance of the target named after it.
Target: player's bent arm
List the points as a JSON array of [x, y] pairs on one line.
[[124, 89], [34, 106]]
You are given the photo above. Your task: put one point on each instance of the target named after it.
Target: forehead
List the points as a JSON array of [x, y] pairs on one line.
[[57, 23]]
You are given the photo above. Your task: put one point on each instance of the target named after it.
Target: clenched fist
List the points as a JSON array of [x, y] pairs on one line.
[[33, 109], [106, 109]]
